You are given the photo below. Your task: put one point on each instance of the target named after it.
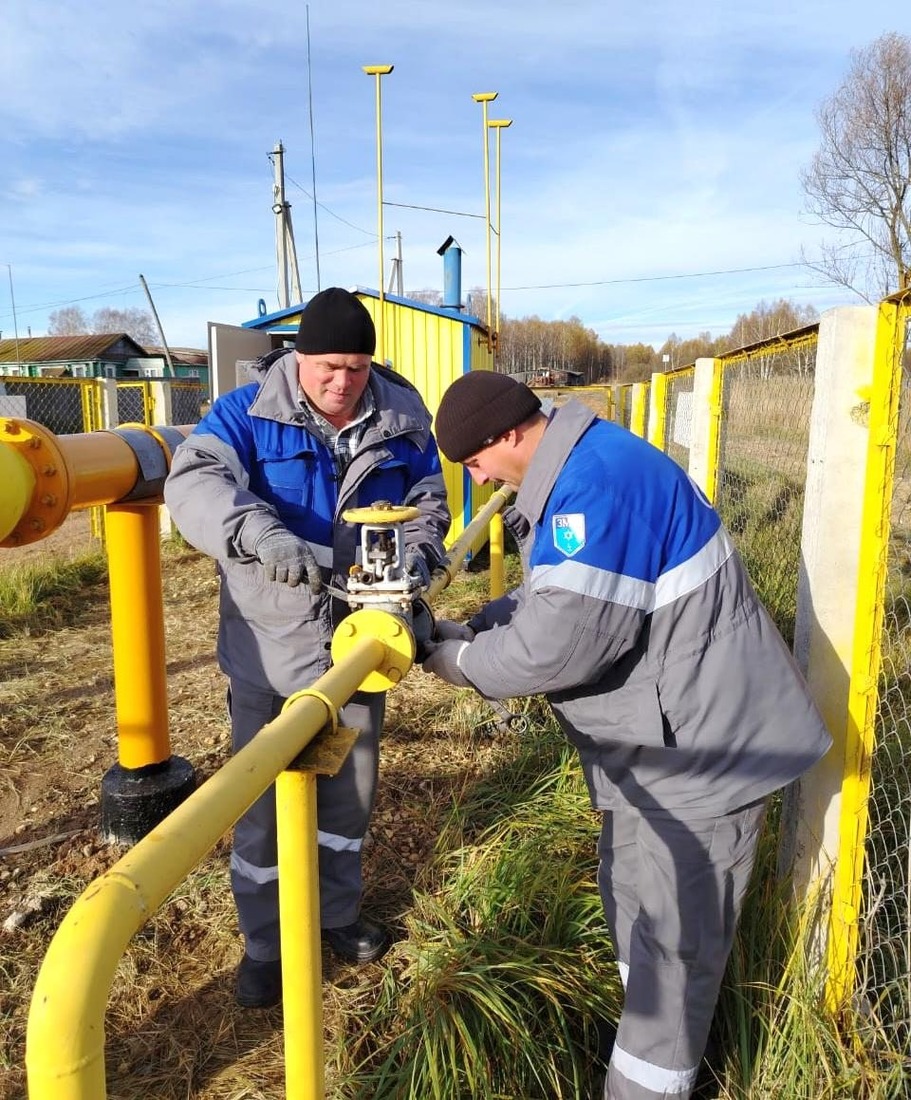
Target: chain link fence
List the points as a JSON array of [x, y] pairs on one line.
[[767, 395], [189, 402], [66, 406], [883, 967], [678, 415]]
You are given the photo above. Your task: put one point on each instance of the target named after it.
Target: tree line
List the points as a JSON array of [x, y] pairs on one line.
[[530, 344]]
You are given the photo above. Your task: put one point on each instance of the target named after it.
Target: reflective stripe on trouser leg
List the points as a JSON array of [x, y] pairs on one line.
[[343, 812], [692, 876]]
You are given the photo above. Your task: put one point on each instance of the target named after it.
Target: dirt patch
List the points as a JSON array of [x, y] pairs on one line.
[[172, 1027]]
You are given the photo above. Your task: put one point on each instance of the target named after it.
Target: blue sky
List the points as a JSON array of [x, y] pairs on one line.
[[651, 143]]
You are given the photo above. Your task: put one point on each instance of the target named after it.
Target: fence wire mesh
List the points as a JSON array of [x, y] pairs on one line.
[[63, 405], [187, 402], [765, 431], [134, 403], [678, 424], [883, 971]]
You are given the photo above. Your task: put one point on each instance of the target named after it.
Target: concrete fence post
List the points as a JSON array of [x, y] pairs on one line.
[[162, 413], [828, 587]]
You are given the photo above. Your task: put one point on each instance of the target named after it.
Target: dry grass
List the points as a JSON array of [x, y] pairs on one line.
[[172, 1027]]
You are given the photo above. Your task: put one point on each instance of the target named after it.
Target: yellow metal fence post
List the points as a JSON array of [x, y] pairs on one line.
[[847, 885], [638, 408], [657, 417]]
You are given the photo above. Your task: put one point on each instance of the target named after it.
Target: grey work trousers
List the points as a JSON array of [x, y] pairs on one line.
[[672, 891], [344, 803]]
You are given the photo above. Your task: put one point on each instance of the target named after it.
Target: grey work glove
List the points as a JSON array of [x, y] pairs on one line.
[[288, 559], [448, 631], [443, 660], [416, 566]]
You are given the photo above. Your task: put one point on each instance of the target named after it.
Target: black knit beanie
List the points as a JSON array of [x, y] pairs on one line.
[[335, 321], [477, 408]]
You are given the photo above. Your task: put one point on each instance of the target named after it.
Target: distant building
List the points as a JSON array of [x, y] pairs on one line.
[[550, 377], [97, 355]]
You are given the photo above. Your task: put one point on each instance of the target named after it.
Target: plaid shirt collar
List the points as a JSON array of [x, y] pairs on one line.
[[346, 440]]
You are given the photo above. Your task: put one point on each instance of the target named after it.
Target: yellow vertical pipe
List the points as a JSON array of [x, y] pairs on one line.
[[298, 903], [847, 884], [137, 631], [497, 568], [64, 1050]]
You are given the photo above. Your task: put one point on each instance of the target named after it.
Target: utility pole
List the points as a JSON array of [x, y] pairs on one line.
[[396, 281], [12, 298], [285, 252], [164, 343]]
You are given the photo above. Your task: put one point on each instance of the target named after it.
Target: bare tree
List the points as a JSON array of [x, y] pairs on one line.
[[138, 323], [68, 321], [72, 321], [860, 177]]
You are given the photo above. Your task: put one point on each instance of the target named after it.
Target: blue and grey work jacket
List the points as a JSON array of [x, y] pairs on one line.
[[637, 620], [257, 457]]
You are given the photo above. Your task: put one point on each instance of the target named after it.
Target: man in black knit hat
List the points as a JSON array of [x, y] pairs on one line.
[[637, 621], [259, 485]]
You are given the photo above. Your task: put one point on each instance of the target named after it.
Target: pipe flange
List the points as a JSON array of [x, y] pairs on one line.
[[392, 631], [52, 494]]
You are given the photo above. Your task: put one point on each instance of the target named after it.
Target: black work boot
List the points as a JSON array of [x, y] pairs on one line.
[[258, 984], [360, 942]]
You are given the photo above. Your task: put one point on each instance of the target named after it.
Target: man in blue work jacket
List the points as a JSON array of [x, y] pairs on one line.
[[260, 485], [638, 622]]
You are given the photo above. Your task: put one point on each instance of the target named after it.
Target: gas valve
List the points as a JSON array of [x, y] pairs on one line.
[[380, 580]]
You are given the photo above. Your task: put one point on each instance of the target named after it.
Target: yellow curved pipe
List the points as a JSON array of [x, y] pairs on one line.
[[443, 575], [18, 481], [64, 1052]]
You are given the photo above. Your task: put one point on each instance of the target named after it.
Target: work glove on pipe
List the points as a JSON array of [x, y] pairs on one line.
[[449, 631], [288, 559], [443, 660], [416, 566]]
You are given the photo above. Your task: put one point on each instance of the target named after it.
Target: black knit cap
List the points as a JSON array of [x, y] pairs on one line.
[[477, 408], [335, 321]]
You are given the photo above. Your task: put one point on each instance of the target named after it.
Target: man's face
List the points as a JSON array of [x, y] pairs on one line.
[[496, 462], [334, 383]]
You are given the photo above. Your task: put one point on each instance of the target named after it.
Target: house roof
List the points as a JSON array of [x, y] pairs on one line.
[[56, 349], [184, 357]]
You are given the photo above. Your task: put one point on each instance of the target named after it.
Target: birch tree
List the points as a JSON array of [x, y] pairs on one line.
[[859, 180]]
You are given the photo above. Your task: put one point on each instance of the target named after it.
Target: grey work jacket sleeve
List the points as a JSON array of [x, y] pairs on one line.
[[425, 534], [206, 493], [555, 641]]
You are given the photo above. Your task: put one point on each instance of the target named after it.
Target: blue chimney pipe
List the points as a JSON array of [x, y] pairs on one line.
[[451, 252]]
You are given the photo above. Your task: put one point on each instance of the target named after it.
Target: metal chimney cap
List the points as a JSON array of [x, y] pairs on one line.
[[450, 240]]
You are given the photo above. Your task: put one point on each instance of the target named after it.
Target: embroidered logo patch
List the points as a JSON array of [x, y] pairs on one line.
[[569, 532]]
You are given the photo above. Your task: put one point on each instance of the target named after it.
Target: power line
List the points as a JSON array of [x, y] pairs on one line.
[[323, 206], [433, 209], [658, 278]]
